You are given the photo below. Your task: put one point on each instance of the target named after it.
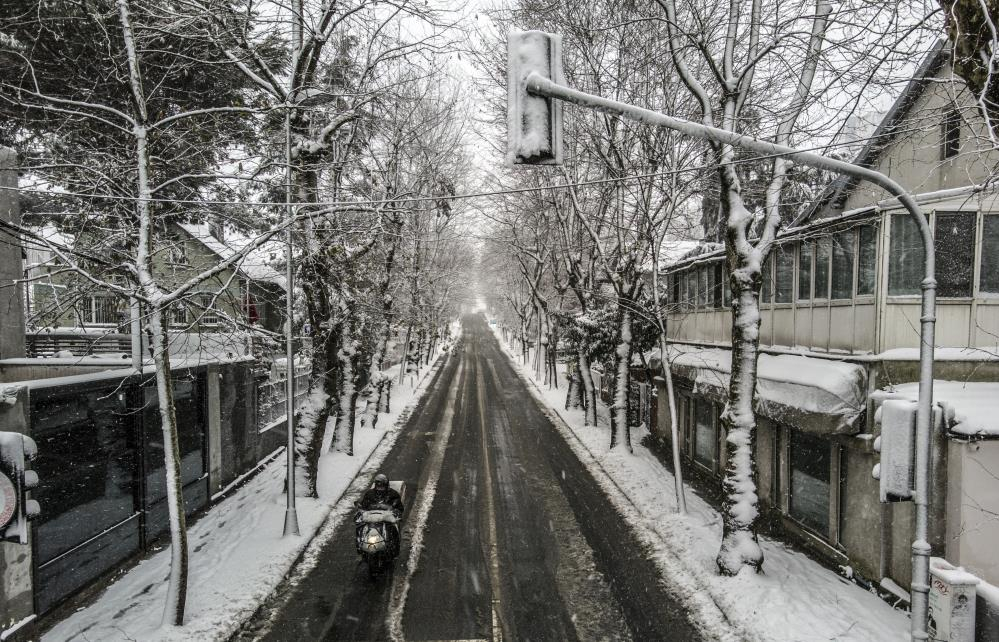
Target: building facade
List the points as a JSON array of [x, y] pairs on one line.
[[840, 333]]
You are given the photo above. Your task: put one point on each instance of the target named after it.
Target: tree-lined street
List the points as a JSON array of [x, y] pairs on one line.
[[518, 541]]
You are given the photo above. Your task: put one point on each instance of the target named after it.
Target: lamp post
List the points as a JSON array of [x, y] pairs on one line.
[[525, 83]]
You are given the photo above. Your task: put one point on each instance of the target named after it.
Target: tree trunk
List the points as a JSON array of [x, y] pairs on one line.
[[177, 591], [740, 546], [589, 390], [620, 430], [347, 402]]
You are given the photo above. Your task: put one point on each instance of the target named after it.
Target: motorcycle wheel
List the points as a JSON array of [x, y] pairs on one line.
[[374, 566]]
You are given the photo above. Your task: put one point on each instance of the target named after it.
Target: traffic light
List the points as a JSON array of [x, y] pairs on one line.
[[534, 123], [896, 443], [16, 450]]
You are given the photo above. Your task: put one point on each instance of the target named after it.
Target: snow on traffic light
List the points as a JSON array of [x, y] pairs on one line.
[[16, 510], [534, 123]]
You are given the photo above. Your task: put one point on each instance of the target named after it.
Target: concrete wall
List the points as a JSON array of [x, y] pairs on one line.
[[973, 508], [11, 271]]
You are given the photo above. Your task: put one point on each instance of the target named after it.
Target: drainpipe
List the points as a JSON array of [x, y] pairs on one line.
[[538, 85]]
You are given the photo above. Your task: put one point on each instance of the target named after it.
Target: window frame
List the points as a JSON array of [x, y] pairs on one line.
[[853, 237], [811, 272]]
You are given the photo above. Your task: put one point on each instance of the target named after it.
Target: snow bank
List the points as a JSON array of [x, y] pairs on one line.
[[795, 599], [237, 554], [970, 408]]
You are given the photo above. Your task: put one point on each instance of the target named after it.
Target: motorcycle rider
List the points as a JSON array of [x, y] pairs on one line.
[[382, 493]]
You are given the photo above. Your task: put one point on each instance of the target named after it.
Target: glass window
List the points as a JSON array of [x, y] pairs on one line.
[[867, 260], [954, 240], [88, 464], [811, 462], [209, 311], [726, 288], [766, 294], [704, 286], [990, 255], [675, 286], [784, 281], [842, 265], [823, 252], [805, 251], [691, 297], [716, 289], [705, 440], [905, 257], [950, 134]]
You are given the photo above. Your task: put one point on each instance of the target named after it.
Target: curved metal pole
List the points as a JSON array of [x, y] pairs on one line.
[[541, 86]]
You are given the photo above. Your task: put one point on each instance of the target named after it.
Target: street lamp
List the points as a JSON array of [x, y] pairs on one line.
[[534, 78], [296, 98]]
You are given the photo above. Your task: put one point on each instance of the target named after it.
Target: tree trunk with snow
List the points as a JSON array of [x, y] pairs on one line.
[[343, 439], [620, 430], [740, 546], [589, 390]]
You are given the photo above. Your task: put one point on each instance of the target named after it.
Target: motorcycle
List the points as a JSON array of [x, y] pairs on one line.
[[378, 535]]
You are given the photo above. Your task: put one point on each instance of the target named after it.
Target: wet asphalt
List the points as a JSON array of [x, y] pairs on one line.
[[518, 541]]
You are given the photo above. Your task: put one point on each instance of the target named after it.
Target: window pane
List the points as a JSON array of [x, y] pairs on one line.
[[823, 251], [955, 253], [716, 289], [784, 284], [675, 286], [726, 289], [705, 443], [691, 289], [810, 465], [805, 271], [704, 287], [990, 255], [905, 258], [867, 260], [88, 466], [842, 265], [768, 281]]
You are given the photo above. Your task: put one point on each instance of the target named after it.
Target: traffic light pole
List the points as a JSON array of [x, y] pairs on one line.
[[538, 85]]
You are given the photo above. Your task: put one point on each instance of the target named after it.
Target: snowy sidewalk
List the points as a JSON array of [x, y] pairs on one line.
[[794, 600], [237, 554]]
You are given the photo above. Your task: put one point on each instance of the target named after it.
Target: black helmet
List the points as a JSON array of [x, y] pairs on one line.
[[381, 481]]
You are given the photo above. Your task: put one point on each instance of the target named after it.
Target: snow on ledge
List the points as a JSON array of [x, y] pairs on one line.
[[818, 388], [970, 408]]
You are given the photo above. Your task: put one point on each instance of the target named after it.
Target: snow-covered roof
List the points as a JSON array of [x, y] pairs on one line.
[[256, 264], [970, 407], [815, 395]]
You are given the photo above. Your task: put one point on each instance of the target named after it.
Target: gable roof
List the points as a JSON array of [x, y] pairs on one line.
[[835, 194], [254, 266]]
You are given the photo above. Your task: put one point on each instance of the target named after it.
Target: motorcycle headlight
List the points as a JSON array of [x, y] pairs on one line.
[[373, 538]]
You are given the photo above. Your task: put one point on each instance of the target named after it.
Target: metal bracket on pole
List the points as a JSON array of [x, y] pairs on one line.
[[537, 85]]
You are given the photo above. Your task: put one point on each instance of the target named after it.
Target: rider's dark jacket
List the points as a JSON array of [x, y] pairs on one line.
[[389, 497]]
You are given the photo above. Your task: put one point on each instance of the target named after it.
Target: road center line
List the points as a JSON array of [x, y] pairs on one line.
[[400, 590], [494, 571]]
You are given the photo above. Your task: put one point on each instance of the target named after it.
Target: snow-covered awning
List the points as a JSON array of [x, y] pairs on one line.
[[814, 395], [970, 408]]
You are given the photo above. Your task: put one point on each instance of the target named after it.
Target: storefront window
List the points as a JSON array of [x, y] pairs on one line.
[[705, 440], [810, 461]]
